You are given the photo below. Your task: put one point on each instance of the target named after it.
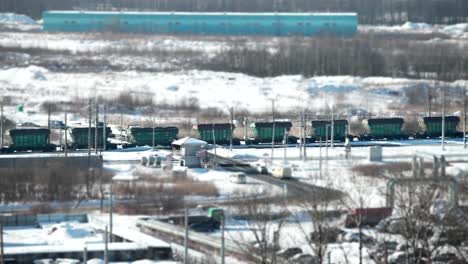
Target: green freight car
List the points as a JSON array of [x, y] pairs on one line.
[[433, 127], [222, 133], [263, 132], [30, 139], [319, 128], [143, 136], [385, 128], [79, 137]]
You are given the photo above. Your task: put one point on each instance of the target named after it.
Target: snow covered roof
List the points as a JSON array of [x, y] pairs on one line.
[[189, 141]]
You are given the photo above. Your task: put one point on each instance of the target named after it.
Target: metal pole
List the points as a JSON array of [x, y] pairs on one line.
[[2, 260], [464, 117], [85, 254], [106, 257], [223, 221], [246, 129], [305, 136], [320, 158], [300, 135], [154, 121], [214, 144], [96, 125], [273, 130], [285, 144], [443, 118], [66, 136], [1, 124], [90, 113], [232, 129], [186, 236], [326, 148], [332, 127], [111, 218], [104, 129]]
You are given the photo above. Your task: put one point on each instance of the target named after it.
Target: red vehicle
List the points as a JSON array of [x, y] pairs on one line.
[[366, 216]]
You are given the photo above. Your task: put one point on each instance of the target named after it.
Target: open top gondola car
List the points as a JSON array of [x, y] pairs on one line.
[[433, 127], [222, 133], [385, 128], [319, 128], [143, 136], [263, 132], [79, 137], [29, 139]]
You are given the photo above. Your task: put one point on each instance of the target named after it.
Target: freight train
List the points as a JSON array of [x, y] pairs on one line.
[[240, 24], [37, 139]]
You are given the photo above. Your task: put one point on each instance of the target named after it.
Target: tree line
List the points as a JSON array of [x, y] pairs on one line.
[[370, 11]]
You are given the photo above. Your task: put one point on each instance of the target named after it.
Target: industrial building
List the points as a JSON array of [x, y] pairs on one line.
[[268, 24]]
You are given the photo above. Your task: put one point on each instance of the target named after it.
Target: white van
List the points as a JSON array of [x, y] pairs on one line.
[[238, 177], [281, 172]]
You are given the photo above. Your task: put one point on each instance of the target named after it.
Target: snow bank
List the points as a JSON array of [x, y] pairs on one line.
[[458, 31], [12, 18], [416, 26], [60, 233]]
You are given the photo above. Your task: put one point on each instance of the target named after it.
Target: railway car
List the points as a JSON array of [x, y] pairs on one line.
[[29, 139], [79, 137], [222, 133], [319, 128], [384, 128], [433, 127], [263, 132], [266, 24], [143, 136]]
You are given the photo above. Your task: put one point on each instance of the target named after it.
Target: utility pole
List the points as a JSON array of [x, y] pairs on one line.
[[285, 140], [1, 124], [223, 222], [153, 141], [106, 255], [464, 116], [111, 217], [186, 236], [66, 136], [332, 126], [305, 136], [246, 123], [301, 138], [90, 113], [2, 260], [326, 148], [273, 130], [443, 118], [104, 130], [214, 144], [231, 127], [85, 255], [48, 121], [320, 158], [96, 125]]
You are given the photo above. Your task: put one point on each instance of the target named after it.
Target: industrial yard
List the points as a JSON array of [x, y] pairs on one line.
[[231, 137]]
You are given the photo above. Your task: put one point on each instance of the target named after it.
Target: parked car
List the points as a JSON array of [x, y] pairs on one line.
[[289, 252], [238, 177], [305, 259]]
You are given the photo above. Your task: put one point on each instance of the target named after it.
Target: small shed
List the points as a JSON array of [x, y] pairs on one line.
[[188, 148]]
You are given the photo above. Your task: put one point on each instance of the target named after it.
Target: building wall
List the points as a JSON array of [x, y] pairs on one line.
[[276, 24]]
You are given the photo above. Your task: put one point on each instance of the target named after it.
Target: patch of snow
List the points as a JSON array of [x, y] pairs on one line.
[[12, 18]]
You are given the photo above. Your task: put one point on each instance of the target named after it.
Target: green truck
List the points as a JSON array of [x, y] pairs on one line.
[[319, 128], [143, 136], [263, 132], [29, 139], [385, 128], [222, 133]]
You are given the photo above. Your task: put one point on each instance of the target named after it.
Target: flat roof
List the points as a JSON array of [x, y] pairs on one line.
[[73, 247], [198, 13]]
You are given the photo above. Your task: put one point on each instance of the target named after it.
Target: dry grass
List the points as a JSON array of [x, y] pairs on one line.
[[384, 171]]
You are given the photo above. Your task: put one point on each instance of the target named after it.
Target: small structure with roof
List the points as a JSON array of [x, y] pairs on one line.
[[188, 148]]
